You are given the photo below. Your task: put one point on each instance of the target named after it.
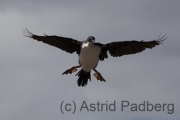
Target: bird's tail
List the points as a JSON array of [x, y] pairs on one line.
[[83, 78]]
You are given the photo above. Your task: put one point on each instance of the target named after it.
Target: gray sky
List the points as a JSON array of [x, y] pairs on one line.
[[31, 84]]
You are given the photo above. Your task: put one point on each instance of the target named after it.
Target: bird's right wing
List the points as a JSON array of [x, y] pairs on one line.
[[66, 44]]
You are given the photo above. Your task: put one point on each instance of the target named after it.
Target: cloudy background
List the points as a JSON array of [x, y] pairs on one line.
[[31, 84]]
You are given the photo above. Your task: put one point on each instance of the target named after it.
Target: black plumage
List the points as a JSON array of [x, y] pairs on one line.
[[66, 44], [118, 49]]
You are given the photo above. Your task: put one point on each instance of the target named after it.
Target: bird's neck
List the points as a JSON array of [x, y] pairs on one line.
[[90, 44]]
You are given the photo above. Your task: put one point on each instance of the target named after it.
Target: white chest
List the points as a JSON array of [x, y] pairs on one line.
[[89, 56]]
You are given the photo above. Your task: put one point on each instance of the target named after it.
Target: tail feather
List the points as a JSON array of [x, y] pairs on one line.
[[83, 78]]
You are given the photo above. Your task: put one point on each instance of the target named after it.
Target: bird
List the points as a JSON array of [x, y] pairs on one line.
[[91, 52]]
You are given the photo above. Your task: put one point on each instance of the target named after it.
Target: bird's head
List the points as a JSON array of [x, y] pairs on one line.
[[91, 39]]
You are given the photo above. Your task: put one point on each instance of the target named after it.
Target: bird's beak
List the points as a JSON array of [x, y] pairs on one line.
[[92, 41]]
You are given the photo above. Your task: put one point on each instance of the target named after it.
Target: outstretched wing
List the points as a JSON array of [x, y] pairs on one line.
[[117, 49], [66, 44]]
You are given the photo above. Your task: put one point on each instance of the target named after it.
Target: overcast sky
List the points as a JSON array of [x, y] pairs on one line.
[[32, 86]]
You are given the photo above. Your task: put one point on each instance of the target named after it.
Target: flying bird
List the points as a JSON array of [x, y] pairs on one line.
[[90, 52]]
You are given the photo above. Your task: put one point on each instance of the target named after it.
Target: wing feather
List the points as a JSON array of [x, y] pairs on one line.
[[117, 49], [66, 44]]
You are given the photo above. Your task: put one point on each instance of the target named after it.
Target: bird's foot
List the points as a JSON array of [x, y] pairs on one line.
[[70, 71], [99, 77]]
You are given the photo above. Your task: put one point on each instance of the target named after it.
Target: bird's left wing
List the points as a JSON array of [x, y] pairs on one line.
[[117, 49], [66, 44]]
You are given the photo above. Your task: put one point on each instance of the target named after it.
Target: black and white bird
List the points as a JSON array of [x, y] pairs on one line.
[[90, 52]]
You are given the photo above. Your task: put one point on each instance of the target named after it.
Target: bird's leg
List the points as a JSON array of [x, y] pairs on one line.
[[71, 70], [98, 76]]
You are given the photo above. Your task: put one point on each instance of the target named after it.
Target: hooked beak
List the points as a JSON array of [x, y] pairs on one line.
[[92, 40]]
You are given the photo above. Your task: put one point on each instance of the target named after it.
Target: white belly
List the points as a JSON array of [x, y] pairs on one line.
[[89, 56]]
